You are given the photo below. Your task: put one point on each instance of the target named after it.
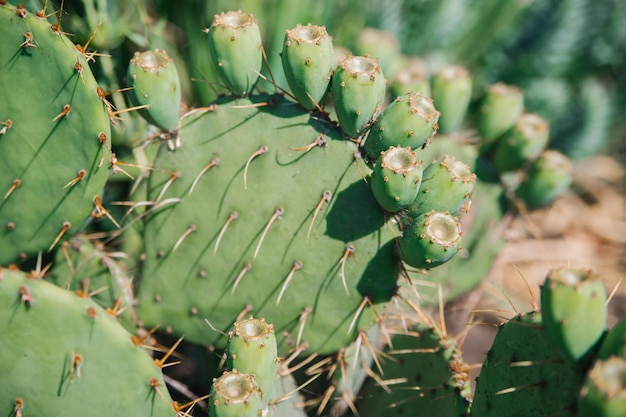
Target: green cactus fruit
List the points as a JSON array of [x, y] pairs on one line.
[[63, 355], [523, 143], [156, 87], [308, 61], [252, 350], [429, 373], [614, 343], [410, 120], [87, 268], [524, 375], [257, 212], [358, 89], [413, 76], [574, 310], [452, 91], [499, 110], [235, 394], [236, 50], [53, 137], [604, 391], [430, 240], [381, 44], [396, 178], [547, 178], [447, 185]]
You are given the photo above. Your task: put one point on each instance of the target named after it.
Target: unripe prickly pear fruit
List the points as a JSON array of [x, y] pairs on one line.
[[500, 108], [524, 142], [412, 77], [573, 303], [252, 350], [155, 84], [358, 89], [547, 178], [604, 391], [431, 240], [452, 91], [236, 50], [446, 185], [396, 178], [410, 120], [308, 61], [235, 394]]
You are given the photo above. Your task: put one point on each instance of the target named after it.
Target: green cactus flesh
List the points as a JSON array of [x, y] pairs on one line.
[[63, 355], [429, 375], [253, 215], [525, 375], [53, 143]]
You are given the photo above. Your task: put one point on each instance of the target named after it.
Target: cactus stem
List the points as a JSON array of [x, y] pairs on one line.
[[349, 251], [261, 151], [358, 312], [214, 162], [186, 233], [232, 216], [6, 125], [296, 266], [326, 196], [277, 213], [319, 141], [100, 211], [16, 183], [247, 267], [66, 110], [303, 316], [81, 174], [66, 226]]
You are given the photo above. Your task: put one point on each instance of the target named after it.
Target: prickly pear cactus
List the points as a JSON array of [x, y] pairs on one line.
[[62, 354], [54, 135]]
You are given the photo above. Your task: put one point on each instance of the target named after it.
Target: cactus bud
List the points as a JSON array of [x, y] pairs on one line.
[[235, 394], [308, 61], [604, 391], [431, 240], [413, 77], [548, 177], [236, 50], [396, 178], [524, 142], [452, 91], [358, 88], [410, 120], [501, 107], [155, 84]]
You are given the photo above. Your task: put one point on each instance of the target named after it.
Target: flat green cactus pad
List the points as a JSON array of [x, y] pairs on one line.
[[54, 129], [253, 215], [63, 355]]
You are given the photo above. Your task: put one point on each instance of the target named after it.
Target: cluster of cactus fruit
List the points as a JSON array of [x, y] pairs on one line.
[[317, 213]]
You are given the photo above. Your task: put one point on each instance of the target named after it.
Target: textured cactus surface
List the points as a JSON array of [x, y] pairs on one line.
[[62, 354], [54, 136]]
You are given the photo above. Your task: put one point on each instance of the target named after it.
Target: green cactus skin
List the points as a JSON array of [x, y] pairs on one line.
[[53, 146], [235, 394], [604, 391], [252, 350], [154, 80], [452, 91], [524, 375], [574, 311], [410, 120], [431, 240], [358, 90], [295, 238], [523, 143], [396, 178], [308, 62], [236, 50], [501, 107], [447, 185], [413, 76], [63, 355], [432, 377], [614, 343], [548, 177]]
